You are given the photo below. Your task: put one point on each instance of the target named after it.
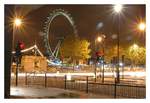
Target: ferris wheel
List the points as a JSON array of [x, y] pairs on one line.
[[58, 12]]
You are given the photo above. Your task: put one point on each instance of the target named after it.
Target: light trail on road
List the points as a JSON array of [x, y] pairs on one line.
[[133, 74]]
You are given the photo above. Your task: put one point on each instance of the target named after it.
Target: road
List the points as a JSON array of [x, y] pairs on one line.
[[132, 86]]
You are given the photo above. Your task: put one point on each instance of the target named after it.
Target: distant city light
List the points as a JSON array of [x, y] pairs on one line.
[[121, 64], [99, 25], [114, 36]]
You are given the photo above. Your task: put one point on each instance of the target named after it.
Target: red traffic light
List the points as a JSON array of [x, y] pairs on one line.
[[99, 53], [21, 45]]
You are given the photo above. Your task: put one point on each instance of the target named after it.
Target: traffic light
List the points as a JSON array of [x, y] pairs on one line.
[[99, 53], [100, 56], [19, 47]]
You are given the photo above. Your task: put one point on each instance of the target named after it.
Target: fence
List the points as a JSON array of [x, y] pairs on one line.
[[87, 84]]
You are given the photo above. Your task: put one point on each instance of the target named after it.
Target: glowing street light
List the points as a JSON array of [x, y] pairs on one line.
[[99, 39], [142, 26], [17, 22], [118, 8], [135, 46]]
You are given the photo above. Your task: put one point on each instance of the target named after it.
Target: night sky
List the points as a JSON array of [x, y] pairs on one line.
[[87, 19]]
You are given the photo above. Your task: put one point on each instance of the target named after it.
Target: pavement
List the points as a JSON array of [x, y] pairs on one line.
[[42, 92]]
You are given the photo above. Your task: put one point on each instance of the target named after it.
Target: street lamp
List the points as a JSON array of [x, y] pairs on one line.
[[118, 9], [135, 46], [16, 23], [103, 46], [141, 26], [100, 39]]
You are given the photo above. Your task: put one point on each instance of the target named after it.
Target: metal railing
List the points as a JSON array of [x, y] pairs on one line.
[[86, 84]]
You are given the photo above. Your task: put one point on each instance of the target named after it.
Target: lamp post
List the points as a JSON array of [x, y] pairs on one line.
[[117, 9], [100, 39], [103, 46], [16, 23]]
